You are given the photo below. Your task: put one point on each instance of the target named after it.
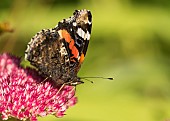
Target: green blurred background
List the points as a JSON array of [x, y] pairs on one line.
[[130, 41]]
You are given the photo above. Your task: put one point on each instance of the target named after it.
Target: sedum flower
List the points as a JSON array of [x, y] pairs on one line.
[[24, 95]]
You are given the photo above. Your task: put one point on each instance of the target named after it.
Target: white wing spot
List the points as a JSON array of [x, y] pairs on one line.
[[74, 24], [88, 35], [81, 33]]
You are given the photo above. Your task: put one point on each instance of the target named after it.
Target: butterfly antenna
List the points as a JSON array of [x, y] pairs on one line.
[[86, 78], [110, 78]]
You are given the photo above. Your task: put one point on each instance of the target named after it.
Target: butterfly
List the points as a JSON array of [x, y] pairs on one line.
[[58, 53]]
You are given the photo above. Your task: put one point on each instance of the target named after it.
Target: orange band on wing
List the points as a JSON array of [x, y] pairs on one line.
[[71, 44], [81, 58], [66, 36], [68, 39], [75, 52]]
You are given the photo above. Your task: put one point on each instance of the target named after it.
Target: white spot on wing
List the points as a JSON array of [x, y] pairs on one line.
[[81, 33], [74, 24], [88, 35], [89, 23]]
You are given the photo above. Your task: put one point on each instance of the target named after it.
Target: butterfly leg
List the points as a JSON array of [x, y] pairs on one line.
[[44, 80], [61, 88]]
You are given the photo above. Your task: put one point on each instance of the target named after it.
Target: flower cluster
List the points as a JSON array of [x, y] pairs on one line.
[[24, 95]]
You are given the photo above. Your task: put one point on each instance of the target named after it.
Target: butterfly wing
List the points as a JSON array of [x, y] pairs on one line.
[[46, 52]]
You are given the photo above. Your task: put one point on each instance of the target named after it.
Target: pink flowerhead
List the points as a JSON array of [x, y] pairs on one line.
[[24, 97]]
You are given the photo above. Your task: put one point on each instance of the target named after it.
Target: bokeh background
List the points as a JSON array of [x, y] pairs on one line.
[[130, 41]]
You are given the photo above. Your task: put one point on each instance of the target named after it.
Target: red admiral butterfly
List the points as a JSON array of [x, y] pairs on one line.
[[58, 53]]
